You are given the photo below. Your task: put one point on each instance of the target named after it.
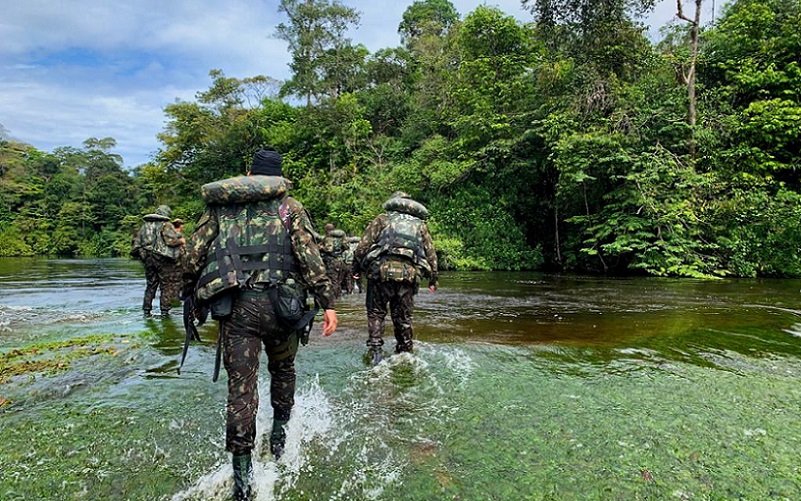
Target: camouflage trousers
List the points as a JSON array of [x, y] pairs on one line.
[[400, 297], [253, 324], [347, 279], [335, 271], [163, 274]]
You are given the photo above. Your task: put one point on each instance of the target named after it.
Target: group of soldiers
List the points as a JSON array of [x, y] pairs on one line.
[[159, 244], [255, 262], [337, 250]]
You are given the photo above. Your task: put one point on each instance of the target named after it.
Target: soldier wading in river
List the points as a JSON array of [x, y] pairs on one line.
[[332, 249], [158, 245], [395, 251], [252, 259]]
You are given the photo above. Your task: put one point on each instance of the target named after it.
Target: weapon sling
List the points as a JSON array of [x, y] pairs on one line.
[[218, 355], [191, 331]]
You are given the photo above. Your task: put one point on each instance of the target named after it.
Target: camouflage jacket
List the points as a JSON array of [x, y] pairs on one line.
[[304, 247], [333, 244], [159, 236], [399, 267]]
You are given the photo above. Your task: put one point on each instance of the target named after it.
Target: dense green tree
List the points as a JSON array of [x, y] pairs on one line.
[[322, 56], [58, 203], [427, 18]]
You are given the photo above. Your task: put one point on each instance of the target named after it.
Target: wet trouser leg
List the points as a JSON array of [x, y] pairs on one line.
[[170, 279], [152, 279], [333, 268], [401, 305], [253, 324], [348, 280], [376, 302], [242, 346], [343, 276]]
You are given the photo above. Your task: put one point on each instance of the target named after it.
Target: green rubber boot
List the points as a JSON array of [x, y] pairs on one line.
[[278, 437], [243, 472]]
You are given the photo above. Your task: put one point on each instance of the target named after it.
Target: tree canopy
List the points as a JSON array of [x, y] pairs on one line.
[[559, 144]]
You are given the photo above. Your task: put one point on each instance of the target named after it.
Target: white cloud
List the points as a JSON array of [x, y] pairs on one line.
[[150, 53], [48, 116]]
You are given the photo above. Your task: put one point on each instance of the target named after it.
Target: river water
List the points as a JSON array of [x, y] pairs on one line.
[[522, 386]]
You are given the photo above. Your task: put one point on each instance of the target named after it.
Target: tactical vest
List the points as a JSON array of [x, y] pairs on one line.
[[402, 238], [151, 238], [253, 244]]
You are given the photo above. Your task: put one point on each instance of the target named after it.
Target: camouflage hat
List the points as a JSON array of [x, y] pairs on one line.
[[164, 210], [400, 194], [177, 222]]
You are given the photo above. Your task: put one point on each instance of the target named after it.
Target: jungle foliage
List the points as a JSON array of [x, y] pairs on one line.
[[562, 144]]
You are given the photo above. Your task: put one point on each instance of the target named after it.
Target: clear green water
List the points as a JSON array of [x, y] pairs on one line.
[[522, 386]]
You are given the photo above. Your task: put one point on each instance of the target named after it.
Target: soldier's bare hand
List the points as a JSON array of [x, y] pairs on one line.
[[432, 289], [329, 322]]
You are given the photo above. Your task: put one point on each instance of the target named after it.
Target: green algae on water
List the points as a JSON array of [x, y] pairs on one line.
[[55, 356]]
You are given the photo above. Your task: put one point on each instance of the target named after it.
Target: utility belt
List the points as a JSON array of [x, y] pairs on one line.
[[394, 268], [289, 301]]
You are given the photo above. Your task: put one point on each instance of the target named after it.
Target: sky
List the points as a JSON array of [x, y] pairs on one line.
[[74, 69]]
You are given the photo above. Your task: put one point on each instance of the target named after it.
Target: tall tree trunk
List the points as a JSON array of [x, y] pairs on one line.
[[689, 78], [556, 232]]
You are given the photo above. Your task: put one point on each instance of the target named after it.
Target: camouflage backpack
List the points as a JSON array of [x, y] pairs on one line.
[[402, 239], [334, 243], [151, 239], [253, 244]]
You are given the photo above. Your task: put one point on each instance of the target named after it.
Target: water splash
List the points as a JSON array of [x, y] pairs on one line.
[[794, 330], [312, 417]]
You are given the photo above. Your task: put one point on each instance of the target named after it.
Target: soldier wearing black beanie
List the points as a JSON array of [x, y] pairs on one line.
[[266, 163]]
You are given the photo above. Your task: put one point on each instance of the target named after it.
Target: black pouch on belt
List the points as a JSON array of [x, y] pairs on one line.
[[289, 303]]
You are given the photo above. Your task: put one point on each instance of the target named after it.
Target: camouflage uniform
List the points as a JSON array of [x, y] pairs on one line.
[[394, 281], [253, 322], [347, 261], [160, 275], [332, 252], [157, 245], [174, 273]]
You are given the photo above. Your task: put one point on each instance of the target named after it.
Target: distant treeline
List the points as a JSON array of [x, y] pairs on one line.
[[568, 143]]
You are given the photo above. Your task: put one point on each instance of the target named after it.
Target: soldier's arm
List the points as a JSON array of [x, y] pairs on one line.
[[171, 237], [308, 255], [431, 256], [370, 237], [195, 257]]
